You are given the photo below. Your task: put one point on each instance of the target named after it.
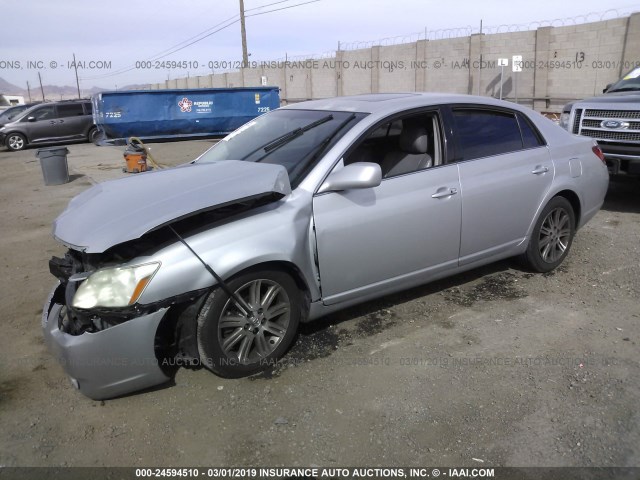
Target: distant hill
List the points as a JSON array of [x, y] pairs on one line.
[[9, 88], [55, 92]]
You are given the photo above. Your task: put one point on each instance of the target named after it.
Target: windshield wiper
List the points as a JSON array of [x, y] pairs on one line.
[[273, 145], [286, 138], [318, 149]]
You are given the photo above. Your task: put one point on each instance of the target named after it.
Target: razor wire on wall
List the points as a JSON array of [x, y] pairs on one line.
[[457, 32]]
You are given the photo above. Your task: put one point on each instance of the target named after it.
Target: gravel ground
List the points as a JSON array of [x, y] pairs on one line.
[[497, 364]]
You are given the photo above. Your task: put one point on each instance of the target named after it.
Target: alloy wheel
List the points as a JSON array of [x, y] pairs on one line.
[[555, 234], [249, 338], [15, 142]]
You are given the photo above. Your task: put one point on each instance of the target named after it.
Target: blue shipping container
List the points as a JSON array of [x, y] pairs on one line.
[[150, 114]]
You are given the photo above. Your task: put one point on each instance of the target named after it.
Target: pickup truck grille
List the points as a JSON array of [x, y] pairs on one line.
[[588, 123], [616, 114]]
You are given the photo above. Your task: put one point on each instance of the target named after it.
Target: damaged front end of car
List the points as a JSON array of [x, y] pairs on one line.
[[113, 328], [109, 351]]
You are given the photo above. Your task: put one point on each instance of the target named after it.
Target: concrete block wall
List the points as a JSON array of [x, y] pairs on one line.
[[297, 84], [396, 69], [219, 80], [445, 66], [251, 77], [234, 79], [355, 80], [630, 56], [324, 80], [518, 85], [275, 77], [586, 57], [559, 64]]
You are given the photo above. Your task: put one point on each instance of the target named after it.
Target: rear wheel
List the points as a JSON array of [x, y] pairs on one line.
[[552, 236], [93, 135], [16, 141], [233, 344]]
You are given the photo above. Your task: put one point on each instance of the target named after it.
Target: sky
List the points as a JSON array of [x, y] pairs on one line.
[[118, 42]]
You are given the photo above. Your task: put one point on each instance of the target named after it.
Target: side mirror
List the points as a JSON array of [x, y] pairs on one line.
[[356, 175], [31, 119], [607, 88]]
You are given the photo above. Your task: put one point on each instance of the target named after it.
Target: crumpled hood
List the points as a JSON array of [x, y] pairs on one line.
[[120, 210]]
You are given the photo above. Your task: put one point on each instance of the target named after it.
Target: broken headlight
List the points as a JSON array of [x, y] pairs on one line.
[[114, 287]]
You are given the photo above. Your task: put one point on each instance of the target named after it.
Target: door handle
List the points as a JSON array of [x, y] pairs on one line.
[[540, 169], [446, 192]]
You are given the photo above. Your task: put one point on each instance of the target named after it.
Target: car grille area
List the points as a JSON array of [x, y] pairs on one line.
[[591, 122]]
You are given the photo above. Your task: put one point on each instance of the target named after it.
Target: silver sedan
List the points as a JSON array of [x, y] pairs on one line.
[[303, 211]]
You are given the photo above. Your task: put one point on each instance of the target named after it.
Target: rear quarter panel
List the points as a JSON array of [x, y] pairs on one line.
[[577, 168]]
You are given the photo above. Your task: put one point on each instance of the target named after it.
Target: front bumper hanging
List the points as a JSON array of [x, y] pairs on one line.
[[109, 363]]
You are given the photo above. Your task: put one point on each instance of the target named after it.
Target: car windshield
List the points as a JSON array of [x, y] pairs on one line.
[[291, 138], [11, 113], [631, 81]]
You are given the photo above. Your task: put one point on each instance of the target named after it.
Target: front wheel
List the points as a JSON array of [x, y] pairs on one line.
[[552, 236], [16, 141], [233, 344]]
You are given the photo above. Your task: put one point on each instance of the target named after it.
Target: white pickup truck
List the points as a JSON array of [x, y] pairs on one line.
[[613, 119]]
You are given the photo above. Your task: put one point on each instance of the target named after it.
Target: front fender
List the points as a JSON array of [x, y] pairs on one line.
[[273, 233]]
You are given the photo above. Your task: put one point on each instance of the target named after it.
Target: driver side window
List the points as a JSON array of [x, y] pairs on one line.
[[401, 146], [43, 113]]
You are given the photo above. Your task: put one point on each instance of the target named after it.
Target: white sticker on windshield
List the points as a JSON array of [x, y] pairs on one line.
[[239, 130], [635, 73]]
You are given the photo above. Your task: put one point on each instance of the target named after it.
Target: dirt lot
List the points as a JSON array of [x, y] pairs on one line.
[[497, 365]]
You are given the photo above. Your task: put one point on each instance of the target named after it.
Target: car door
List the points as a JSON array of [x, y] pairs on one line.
[[504, 176], [72, 121], [40, 123], [394, 235]]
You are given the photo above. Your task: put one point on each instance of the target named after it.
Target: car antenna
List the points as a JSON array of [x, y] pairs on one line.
[[225, 287]]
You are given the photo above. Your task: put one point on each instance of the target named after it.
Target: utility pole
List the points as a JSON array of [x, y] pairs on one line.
[[76, 67], [29, 91], [243, 32], [41, 89]]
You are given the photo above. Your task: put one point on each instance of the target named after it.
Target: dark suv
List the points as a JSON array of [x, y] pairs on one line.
[[54, 122]]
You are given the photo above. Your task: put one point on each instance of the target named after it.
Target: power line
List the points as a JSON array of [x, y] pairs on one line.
[[236, 17], [195, 36], [161, 55], [283, 8], [199, 37], [267, 5]]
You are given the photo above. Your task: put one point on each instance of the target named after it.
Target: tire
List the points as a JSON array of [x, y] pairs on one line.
[[16, 142], [233, 345], [552, 236], [92, 135]]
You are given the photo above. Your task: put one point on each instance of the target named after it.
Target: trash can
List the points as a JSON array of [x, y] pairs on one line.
[[53, 161]]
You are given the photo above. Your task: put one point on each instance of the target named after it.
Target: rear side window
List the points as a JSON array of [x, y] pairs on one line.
[[483, 133], [70, 110], [530, 137], [88, 108]]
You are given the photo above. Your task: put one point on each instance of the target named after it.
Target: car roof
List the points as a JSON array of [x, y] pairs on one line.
[[381, 103], [44, 104]]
